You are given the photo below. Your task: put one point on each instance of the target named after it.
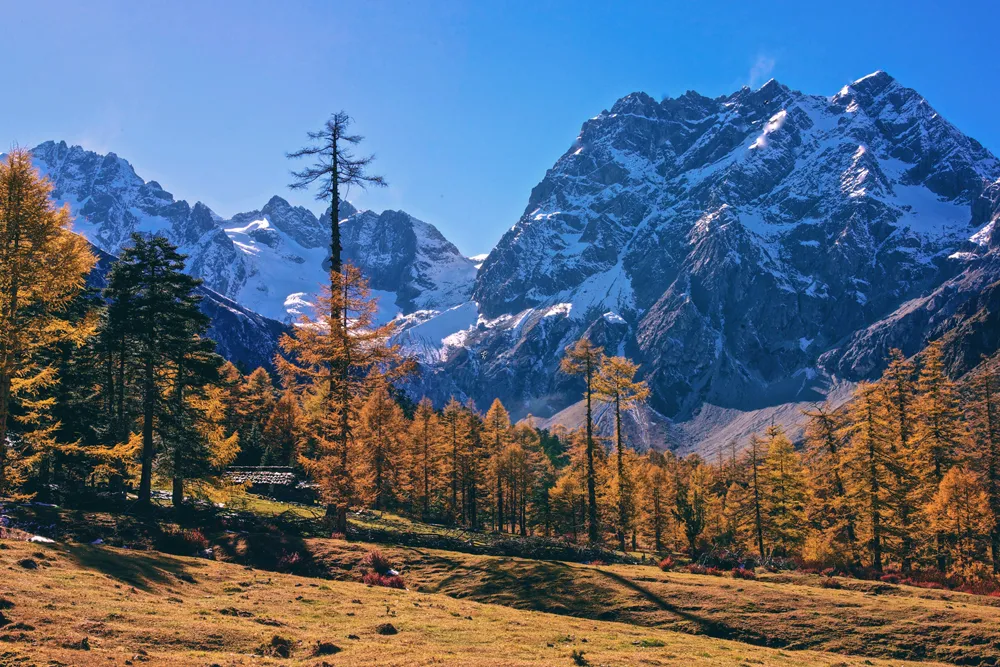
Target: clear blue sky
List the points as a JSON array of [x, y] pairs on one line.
[[466, 104]]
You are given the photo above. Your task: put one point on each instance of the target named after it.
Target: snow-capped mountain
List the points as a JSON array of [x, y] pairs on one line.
[[753, 252], [733, 246], [270, 260]]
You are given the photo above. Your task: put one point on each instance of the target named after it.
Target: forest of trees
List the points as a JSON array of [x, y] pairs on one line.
[[120, 391]]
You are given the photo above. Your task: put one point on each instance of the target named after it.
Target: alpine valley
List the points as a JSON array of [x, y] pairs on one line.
[[755, 253]]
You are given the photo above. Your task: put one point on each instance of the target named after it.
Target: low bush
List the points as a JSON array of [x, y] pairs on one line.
[[384, 580], [666, 564], [831, 583], [889, 578], [932, 585], [697, 568], [181, 541], [376, 561], [743, 573]]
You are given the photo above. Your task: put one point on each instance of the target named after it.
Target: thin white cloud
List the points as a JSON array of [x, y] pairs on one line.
[[761, 70]]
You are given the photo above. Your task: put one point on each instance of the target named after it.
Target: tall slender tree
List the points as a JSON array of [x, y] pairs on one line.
[[381, 427], [616, 384], [898, 384], [786, 494], [869, 463], [829, 512], [938, 431], [584, 358], [425, 448], [690, 501], [756, 460], [496, 434]]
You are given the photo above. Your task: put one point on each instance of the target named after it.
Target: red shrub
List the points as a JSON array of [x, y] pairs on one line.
[[695, 568], [831, 583], [932, 585], [385, 580], [989, 587], [829, 572], [337, 536], [743, 573], [714, 572], [375, 560], [889, 578], [666, 564]]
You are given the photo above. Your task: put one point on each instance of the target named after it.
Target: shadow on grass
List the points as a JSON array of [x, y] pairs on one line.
[[548, 586], [707, 626], [141, 570], [272, 550]]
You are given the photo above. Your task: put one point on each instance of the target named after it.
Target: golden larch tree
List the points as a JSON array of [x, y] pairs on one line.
[[615, 384], [331, 356], [786, 494], [43, 267], [868, 465], [584, 358], [496, 436]]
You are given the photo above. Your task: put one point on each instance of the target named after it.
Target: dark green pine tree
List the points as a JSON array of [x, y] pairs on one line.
[[153, 310], [117, 344], [195, 367]]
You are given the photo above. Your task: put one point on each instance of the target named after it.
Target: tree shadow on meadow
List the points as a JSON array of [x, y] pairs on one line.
[[547, 586], [142, 570]]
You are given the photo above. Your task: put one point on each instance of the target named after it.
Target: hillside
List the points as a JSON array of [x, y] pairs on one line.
[[86, 605]]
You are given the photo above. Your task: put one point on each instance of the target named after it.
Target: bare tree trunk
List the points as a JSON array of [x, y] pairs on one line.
[[756, 503], [335, 248], [592, 529], [622, 510], [148, 409], [4, 411]]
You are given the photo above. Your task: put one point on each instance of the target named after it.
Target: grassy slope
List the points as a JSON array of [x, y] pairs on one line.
[[790, 611], [168, 607]]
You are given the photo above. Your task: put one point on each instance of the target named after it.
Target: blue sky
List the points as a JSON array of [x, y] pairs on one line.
[[466, 104]]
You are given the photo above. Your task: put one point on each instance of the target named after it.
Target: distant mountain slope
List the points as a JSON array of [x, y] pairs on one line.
[[739, 248], [270, 260]]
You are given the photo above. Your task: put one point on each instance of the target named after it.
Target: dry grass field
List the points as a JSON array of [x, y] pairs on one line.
[[96, 605], [790, 611]]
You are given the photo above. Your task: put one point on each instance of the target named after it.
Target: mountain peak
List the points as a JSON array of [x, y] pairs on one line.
[[638, 103], [276, 202], [870, 86]]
